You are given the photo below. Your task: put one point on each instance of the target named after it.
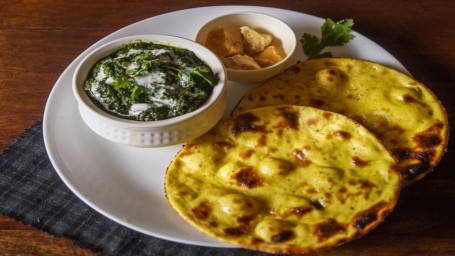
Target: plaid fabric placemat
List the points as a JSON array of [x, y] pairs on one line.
[[32, 192]]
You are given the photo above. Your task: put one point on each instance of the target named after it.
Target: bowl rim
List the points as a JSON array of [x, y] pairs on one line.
[[278, 20], [108, 48]]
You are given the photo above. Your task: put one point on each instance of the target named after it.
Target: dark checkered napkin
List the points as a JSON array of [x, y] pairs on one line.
[[32, 192]]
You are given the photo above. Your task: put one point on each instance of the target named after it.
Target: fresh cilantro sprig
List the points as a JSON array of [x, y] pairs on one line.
[[193, 73], [204, 73], [121, 82], [136, 92], [332, 34]]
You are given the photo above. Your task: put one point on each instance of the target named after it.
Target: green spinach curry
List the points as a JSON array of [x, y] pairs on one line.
[[145, 81]]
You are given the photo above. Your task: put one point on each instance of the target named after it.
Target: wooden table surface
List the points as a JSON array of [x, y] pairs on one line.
[[39, 39]]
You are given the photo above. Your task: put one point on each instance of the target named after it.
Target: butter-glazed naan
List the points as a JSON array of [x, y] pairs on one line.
[[284, 179], [404, 114]]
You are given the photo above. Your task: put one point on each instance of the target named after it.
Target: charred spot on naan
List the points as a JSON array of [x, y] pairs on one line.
[[369, 218], [246, 123], [202, 211], [289, 118], [419, 160], [248, 177], [327, 229]]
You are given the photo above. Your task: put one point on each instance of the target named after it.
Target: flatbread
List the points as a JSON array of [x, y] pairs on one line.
[[404, 114], [284, 179]]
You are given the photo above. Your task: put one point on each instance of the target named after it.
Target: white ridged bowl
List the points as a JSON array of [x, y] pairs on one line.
[[151, 133]]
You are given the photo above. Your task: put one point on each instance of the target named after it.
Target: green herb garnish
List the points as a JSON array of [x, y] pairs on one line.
[[332, 34], [205, 74], [121, 82]]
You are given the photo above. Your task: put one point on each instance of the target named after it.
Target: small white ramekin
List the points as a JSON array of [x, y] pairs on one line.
[[280, 31], [151, 133]]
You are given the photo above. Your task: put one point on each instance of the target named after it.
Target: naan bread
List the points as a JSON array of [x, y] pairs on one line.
[[284, 179], [404, 114]]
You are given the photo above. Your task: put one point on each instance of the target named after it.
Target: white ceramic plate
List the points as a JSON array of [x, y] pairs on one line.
[[126, 183]]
